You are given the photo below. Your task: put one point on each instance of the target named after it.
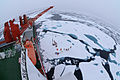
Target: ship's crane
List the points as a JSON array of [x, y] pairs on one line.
[[12, 31]]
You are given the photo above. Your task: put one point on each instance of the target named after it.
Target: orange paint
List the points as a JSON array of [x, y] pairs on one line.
[[31, 51], [15, 30], [21, 22], [60, 49], [7, 35], [25, 19]]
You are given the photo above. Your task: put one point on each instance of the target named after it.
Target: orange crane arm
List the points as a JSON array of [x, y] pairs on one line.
[[36, 17], [30, 21]]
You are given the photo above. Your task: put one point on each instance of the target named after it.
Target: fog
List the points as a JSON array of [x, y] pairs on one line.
[[106, 10]]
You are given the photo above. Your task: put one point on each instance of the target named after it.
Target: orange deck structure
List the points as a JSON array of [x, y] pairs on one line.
[[31, 51]]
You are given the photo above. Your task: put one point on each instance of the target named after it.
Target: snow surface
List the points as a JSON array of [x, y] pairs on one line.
[[57, 30]]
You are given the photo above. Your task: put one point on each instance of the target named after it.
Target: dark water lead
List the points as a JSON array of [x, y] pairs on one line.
[[95, 64], [59, 25], [46, 30], [118, 64], [101, 71], [91, 38], [68, 40], [118, 73], [73, 36], [95, 41], [54, 27]]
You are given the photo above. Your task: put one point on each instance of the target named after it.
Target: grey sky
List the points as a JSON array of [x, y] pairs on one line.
[[107, 10]]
